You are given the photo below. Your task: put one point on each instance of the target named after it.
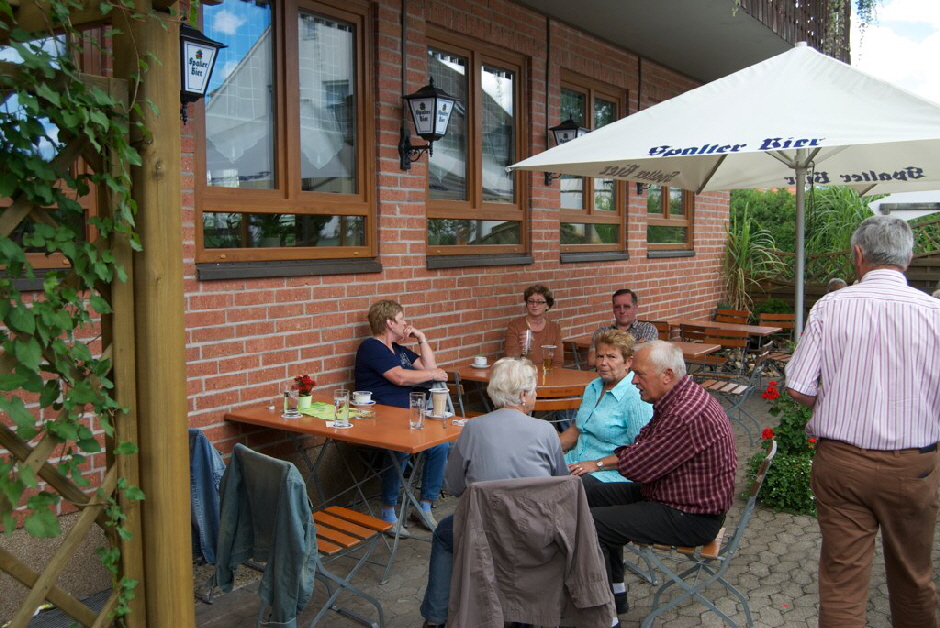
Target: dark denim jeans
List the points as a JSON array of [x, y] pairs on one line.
[[434, 460], [437, 593]]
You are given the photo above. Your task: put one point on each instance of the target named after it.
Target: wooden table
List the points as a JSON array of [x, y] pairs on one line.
[[754, 330], [388, 430], [690, 350], [547, 380]]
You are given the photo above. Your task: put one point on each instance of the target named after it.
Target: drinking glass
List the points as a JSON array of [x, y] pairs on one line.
[[527, 342], [340, 408], [548, 357], [417, 406]]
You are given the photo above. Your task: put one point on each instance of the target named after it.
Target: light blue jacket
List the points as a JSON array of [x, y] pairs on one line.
[[266, 516], [613, 422]]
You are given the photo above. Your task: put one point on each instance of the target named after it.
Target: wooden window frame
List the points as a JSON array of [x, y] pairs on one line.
[[588, 214], [287, 197], [479, 54], [666, 220]]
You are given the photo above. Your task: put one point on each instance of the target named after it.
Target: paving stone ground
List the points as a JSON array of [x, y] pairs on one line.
[[775, 569]]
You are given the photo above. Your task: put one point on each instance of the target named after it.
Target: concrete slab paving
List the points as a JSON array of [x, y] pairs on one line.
[[775, 568]]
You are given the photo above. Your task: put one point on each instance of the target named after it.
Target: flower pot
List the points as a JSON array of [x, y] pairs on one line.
[[304, 403]]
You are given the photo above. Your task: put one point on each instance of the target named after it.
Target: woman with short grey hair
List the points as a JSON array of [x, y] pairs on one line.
[[501, 445]]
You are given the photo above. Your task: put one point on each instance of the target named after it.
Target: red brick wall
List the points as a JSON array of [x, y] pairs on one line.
[[246, 338]]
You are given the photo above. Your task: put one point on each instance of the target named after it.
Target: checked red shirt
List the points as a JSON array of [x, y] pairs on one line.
[[685, 457]]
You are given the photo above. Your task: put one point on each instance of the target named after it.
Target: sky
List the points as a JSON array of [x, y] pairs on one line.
[[902, 46]]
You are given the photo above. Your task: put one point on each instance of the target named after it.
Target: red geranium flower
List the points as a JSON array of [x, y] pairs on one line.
[[304, 384], [771, 393], [767, 434]]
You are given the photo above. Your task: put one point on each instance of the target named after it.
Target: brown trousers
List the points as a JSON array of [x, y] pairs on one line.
[[857, 492]]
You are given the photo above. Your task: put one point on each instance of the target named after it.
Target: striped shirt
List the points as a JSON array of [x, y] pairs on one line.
[[640, 330], [870, 355], [685, 457]]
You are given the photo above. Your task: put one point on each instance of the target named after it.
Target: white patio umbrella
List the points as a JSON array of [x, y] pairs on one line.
[[766, 126]]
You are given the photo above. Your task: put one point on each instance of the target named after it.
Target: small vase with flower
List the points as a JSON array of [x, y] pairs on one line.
[[304, 384]]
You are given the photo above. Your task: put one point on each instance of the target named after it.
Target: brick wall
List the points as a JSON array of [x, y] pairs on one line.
[[246, 338]]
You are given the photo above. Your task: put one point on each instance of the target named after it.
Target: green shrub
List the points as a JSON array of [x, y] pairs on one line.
[[787, 485]]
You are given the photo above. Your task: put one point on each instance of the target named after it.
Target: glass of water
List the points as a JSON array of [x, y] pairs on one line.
[[341, 407], [417, 406]]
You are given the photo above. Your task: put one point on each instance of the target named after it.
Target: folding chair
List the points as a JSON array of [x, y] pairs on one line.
[[779, 356], [739, 317], [733, 347], [551, 400], [266, 517], [732, 393], [662, 327], [705, 565]]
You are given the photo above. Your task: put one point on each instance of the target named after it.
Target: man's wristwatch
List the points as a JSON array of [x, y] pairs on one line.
[[599, 463]]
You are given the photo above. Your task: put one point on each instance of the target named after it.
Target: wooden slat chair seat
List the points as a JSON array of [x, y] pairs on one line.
[[694, 569], [732, 393], [341, 529]]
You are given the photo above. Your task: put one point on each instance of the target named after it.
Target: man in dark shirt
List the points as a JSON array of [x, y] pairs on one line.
[[682, 466], [626, 308]]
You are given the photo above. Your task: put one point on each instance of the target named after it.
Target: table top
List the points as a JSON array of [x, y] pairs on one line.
[[388, 430], [689, 349], [553, 378], [754, 330]]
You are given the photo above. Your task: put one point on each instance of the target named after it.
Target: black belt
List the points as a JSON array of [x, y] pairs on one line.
[[926, 449]]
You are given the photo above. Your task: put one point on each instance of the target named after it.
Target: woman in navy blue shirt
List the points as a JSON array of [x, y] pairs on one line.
[[390, 371]]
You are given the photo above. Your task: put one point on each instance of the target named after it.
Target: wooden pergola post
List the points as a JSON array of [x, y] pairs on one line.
[[158, 299]]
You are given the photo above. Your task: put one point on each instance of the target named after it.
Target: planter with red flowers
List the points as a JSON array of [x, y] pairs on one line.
[[787, 485], [304, 384]]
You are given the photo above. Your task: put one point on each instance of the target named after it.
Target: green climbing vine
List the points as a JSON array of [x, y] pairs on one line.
[[54, 383]]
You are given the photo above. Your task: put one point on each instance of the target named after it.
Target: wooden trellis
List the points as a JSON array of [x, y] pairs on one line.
[[117, 332]]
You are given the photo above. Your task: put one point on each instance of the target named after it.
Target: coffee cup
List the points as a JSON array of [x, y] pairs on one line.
[[439, 401], [479, 360], [362, 396]]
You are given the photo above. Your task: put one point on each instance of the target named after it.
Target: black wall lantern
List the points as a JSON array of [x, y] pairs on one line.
[[197, 59], [430, 110], [564, 133]]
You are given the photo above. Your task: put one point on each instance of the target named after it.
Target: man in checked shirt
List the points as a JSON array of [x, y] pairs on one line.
[[868, 365], [682, 465]]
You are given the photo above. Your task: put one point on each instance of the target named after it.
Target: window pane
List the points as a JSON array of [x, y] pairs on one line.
[[654, 199], [605, 112], [239, 101], [604, 195], [224, 230], [667, 235], [572, 191], [446, 231], [499, 135], [327, 58], [572, 106], [675, 203], [577, 233], [447, 167]]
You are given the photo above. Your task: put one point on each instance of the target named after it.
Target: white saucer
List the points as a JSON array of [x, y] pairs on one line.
[[447, 415], [337, 427], [364, 404], [291, 415], [480, 366]]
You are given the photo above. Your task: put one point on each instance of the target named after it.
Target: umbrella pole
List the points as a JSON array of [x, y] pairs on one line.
[[799, 272]]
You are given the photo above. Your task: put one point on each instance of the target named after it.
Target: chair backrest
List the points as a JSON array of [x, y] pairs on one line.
[[728, 339], [786, 321], [732, 546], [740, 317], [662, 327], [559, 398]]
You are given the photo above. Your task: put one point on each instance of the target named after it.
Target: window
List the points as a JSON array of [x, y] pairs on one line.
[[669, 218], [474, 205], [288, 134], [593, 210]]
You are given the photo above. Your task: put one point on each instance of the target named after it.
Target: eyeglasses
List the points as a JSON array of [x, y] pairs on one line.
[[535, 302]]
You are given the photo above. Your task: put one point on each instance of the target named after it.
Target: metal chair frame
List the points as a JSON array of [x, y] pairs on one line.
[[704, 570]]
